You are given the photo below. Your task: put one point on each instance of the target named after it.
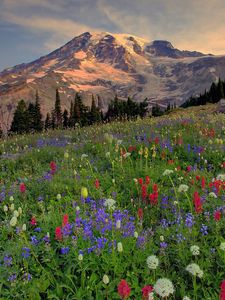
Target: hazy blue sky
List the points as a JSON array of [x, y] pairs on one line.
[[31, 28]]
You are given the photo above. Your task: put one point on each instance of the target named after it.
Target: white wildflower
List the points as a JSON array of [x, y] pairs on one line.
[[13, 221], [222, 246], [5, 208], [212, 195], [110, 204], [161, 238], [20, 211], [195, 250], [183, 188], [80, 257], [186, 298], [195, 270], [105, 279], [221, 177], [151, 296], [119, 247], [66, 155], [107, 155], [16, 214], [58, 197], [127, 154], [164, 287], [119, 142], [24, 227], [167, 172], [118, 224], [11, 199], [136, 234], [77, 208], [152, 262], [12, 207]]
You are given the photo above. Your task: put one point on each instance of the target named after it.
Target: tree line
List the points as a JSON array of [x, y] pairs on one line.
[[213, 95], [28, 117]]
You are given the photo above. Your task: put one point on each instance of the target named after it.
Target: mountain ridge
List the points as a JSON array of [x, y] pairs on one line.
[[105, 64]]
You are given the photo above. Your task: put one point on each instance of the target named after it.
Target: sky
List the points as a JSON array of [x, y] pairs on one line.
[[32, 28]]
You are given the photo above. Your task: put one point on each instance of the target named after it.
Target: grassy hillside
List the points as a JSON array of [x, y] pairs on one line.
[[106, 212]]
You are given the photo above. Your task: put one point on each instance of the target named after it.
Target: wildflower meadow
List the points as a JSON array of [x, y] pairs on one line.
[[127, 210]]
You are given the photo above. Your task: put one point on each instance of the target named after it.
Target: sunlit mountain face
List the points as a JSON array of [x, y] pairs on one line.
[[106, 64]]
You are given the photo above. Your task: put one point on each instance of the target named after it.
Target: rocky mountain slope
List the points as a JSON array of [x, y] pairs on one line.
[[104, 64]]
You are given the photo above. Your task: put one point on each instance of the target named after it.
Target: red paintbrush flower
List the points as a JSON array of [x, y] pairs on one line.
[[140, 181], [217, 215], [65, 220], [222, 290], [58, 233], [146, 290], [144, 192], [147, 180], [33, 221], [197, 203], [140, 213], [97, 184], [123, 289], [203, 182], [22, 188]]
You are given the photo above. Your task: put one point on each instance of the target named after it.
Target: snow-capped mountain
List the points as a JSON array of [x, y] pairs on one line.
[[105, 64]]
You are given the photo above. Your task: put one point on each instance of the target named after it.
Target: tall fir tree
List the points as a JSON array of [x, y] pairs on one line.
[[48, 123], [58, 111], [65, 119], [38, 124], [20, 123]]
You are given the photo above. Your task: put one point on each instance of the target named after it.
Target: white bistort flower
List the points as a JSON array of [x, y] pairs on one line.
[[212, 195], [13, 221], [222, 246], [110, 204], [80, 257], [186, 298], [195, 270], [183, 188], [152, 262], [164, 287], [167, 172], [221, 177], [120, 247], [195, 250], [105, 279]]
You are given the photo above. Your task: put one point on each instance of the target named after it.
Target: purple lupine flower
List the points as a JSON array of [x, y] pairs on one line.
[[64, 250], [204, 229], [189, 220], [25, 252], [38, 229], [27, 276], [34, 240], [7, 260], [163, 245], [12, 277]]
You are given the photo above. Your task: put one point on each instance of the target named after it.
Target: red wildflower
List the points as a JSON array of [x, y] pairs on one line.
[[97, 184], [33, 221], [197, 203], [65, 220], [146, 291], [156, 140], [197, 177], [153, 198], [144, 192], [217, 215], [155, 188], [147, 180], [170, 161], [53, 166], [22, 188], [123, 289], [58, 233], [140, 213], [188, 168], [140, 181], [222, 290]]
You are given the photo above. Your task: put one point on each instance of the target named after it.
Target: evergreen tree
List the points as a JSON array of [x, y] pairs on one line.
[[20, 123], [143, 108], [94, 115], [65, 119], [31, 112], [48, 123], [53, 120], [38, 124], [71, 117], [57, 111]]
